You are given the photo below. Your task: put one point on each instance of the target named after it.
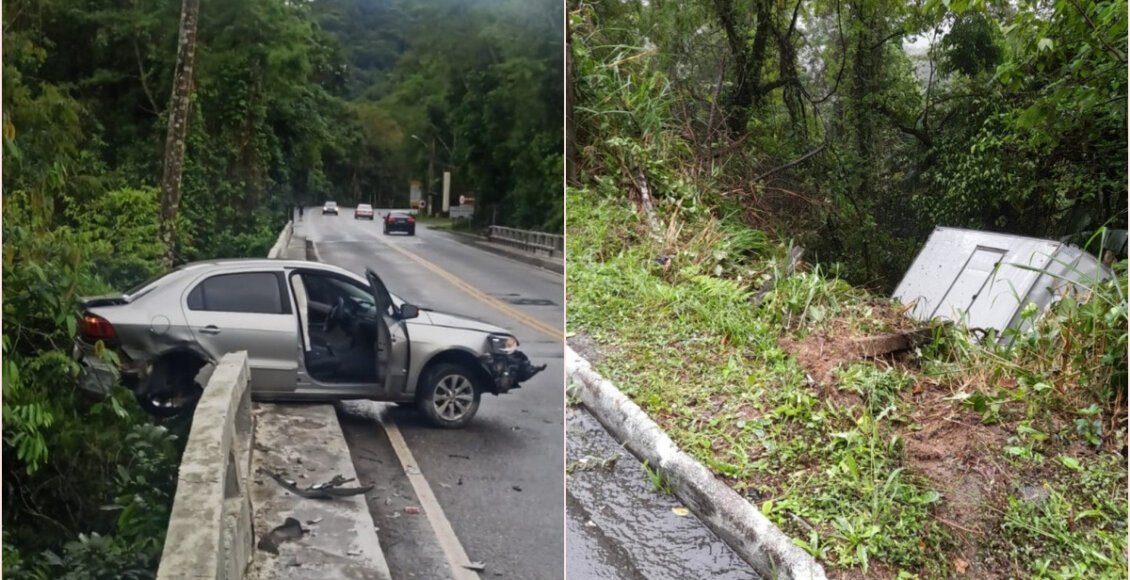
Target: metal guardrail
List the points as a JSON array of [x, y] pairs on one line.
[[209, 535], [530, 241]]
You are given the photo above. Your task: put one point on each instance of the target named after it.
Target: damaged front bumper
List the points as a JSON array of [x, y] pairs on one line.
[[509, 370]]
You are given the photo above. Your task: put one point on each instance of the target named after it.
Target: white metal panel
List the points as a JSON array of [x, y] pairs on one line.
[[984, 278], [974, 276]]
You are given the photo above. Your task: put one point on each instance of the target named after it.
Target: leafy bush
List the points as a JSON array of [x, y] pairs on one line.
[[89, 473]]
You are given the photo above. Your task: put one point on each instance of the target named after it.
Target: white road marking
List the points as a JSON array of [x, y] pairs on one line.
[[456, 556]]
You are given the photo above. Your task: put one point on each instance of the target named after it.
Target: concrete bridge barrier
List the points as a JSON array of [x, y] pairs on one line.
[[209, 534]]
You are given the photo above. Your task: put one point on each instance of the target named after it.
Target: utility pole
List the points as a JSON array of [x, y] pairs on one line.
[[431, 180]]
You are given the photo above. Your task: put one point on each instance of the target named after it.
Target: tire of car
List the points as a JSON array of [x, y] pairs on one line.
[[412, 231], [177, 377], [448, 396]]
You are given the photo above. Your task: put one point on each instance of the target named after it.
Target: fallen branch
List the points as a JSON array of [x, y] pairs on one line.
[[958, 526], [640, 181], [796, 161]]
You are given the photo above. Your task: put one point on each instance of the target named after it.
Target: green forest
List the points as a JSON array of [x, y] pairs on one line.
[[748, 180], [292, 102], [856, 127]]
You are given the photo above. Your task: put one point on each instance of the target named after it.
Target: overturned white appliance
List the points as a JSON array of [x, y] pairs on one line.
[[984, 280]]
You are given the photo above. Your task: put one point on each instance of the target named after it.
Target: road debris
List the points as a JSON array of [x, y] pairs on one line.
[[289, 530], [591, 463], [476, 566], [412, 510], [329, 490]]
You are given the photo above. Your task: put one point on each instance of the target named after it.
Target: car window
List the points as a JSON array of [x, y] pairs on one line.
[[252, 292]]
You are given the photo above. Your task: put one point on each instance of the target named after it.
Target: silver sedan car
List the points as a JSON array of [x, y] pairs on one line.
[[312, 332]]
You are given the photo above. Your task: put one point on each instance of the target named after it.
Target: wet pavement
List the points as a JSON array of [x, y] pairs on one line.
[[619, 527]]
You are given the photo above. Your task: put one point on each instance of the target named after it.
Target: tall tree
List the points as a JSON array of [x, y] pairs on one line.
[[178, 125]]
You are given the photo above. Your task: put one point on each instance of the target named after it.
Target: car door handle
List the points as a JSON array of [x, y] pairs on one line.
[[210, 329]]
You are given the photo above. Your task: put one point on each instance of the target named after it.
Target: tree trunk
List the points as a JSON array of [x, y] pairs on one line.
[[178, 125], [571, 157]]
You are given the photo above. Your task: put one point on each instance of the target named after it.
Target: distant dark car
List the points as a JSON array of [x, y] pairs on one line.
[[330, 207], [400, 222]]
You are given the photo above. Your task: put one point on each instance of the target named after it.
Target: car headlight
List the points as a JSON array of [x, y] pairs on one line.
[[502, 344]]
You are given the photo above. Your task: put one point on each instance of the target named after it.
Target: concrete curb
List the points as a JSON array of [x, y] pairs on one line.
[[305, 443], [480, 242], [736, 521]]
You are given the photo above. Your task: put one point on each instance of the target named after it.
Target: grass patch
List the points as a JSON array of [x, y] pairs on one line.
[[686, 330]]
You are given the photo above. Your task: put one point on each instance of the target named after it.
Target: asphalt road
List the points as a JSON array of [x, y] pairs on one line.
[[499, 481]]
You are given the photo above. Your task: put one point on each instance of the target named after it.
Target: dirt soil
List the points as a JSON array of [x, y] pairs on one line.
[[946, 443]]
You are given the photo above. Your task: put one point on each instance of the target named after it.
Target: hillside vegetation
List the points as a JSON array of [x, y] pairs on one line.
[[710, 138]]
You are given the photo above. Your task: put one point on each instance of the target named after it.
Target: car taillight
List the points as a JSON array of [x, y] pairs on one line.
[[411, 220], [97, 328]]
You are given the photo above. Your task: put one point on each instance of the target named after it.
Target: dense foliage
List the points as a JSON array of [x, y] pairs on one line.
[[293, 102], [858, 126], [710, 136]]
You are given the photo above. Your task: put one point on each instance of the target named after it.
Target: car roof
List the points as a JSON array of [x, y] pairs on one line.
[[256, 263], [364, 205]]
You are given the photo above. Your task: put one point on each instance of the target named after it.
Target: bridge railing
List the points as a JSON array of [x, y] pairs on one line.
[[279, 249], [209, 535], [534, 242]]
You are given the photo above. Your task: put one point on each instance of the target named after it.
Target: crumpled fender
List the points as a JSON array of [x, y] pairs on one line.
[[509, 370]]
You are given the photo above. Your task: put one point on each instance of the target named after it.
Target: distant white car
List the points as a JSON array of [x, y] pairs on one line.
[[330, 207], [363, 211]]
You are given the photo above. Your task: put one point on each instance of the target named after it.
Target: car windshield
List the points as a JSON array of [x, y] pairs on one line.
[[331, 204], [364, 206]]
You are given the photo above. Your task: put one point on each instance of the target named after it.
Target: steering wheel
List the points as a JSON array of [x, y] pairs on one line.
[[335, 312]]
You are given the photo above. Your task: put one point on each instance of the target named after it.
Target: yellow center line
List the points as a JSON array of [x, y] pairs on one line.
[[481, 296]]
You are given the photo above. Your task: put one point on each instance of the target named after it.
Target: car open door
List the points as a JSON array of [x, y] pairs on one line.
[[392, 339]]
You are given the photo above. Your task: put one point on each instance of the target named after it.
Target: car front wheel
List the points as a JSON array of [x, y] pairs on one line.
[[449, 397]]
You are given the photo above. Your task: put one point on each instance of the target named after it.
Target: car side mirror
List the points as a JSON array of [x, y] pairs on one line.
[[408, 311]]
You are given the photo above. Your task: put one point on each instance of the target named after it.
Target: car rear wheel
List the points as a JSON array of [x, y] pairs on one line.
[[449, 397], [172, 388], [412, 231]]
